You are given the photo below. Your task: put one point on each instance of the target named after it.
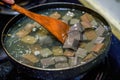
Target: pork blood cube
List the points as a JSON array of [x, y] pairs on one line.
[[60, 59], [99, 40], [75, 35], [81, 53], [76, 27], [71, 43], [100, 30], [73, 61], [46, 62]]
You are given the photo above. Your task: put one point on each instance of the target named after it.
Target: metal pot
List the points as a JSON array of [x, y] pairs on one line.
[[57, 74]]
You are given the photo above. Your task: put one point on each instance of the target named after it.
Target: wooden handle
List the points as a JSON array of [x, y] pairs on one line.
[[56, 27], [28, 13]]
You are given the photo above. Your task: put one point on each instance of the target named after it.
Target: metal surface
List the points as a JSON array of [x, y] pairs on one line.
[[63, 73]]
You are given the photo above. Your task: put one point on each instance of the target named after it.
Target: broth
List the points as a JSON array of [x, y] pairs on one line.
[[31, 44]]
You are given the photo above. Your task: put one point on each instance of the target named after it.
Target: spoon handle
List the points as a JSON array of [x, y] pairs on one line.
[[56, 27]]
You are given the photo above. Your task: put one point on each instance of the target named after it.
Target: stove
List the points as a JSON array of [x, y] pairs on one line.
[[108, 69]]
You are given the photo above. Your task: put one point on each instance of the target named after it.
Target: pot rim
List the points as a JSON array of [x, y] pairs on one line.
[[57, 69]]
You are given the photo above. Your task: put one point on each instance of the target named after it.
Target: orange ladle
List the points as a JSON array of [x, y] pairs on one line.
[[56, 27]]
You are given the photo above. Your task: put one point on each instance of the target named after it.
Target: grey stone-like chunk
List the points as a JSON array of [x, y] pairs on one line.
[[46, 52], [60, 59], [100, 30], [77, 27], [73, 61], [71, 43], [61, 65], [81, 53], [99, 40], [75, 35], [46, 62]]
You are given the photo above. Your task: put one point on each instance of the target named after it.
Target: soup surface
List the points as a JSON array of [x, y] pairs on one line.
[[31, 44]]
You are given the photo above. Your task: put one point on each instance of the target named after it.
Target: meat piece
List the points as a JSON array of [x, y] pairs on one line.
[[55, 15], [86, 25], [71, 43], [29, 39], [90, 34], [25, 31], [29, 27], [31, 58], [87, 17], [81, 53], [46, 52], [98, 47], [69, 53], [74, 21], [22, 33], [69, 15], [57, 50]]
